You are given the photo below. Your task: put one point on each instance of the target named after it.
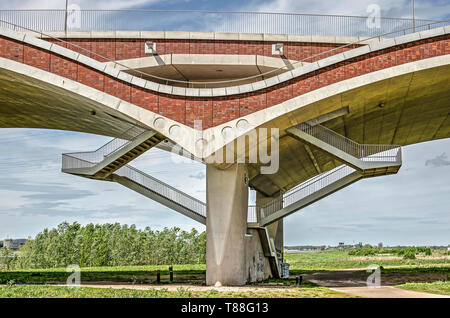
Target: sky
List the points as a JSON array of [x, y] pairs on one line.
[[410, 208]]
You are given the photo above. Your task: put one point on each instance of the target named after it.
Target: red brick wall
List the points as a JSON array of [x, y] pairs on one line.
[[144, 98], [199, 109], [36, 57], [252, 102], [225, 109], [218, 110], [127, 49], [11, 50]]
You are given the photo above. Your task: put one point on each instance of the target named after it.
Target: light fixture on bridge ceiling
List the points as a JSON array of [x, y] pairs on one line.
[[150, 47], [278, 49], [93, 112], [381, 105]]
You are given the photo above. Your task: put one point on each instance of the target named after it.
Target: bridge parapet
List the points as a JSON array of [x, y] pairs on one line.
[[77, 19]]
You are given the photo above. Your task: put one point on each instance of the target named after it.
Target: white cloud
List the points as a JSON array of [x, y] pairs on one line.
[[414, 202], [84, 4]]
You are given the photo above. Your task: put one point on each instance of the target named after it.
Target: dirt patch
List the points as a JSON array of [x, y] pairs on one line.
[[358, 278]]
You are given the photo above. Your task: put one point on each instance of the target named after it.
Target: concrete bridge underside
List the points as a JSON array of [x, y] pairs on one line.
[[406, 104], [416, 109]]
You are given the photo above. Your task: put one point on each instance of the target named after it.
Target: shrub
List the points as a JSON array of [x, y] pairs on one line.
[[111, 245], [409, 254], [364, 251]]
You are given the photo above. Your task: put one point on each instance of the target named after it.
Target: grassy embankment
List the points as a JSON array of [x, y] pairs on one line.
[[47, 291], [195, 274], [335, 259], [439, 287]]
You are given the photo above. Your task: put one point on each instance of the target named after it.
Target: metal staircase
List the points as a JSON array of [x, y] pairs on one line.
[[109, 163], [368, 159], [270, 251], [101, 163], [161, 192], [361, 161]]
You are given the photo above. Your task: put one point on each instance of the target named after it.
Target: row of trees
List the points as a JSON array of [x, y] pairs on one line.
[[405, 252], [111, 245]]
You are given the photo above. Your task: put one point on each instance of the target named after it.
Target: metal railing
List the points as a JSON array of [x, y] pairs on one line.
[[170, 193], [146, 181], [208, 21], [252, 215], [154, 185], [365, 152], [304, 190], [224, 83], [91, 158]]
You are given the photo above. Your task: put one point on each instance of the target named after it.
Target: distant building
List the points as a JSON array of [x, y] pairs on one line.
[[380, 245], [13, 244], [292, 251]]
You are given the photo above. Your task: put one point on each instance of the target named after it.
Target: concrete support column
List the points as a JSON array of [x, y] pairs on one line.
[[275, 229], [226, 224]]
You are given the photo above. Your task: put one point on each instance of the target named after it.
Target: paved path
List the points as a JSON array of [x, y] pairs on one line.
[[382, 292], [385, 292], [353, 282]]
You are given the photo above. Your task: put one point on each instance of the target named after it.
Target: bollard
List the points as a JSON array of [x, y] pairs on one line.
[[171, 274], [296, 280], [158, 277], [301, 279]]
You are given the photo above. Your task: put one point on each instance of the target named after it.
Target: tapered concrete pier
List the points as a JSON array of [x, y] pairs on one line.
[[226, 225]]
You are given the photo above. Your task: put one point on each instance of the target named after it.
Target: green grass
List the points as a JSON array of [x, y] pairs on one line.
[[335, 259], [438, 287], [137, 274], [39, 281], [45, 291], [195, 274]]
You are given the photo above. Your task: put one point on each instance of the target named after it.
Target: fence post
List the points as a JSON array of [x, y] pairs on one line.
[[65, 18]]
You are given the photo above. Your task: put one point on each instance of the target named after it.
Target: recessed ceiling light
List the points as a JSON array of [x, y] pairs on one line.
[[381, 105]]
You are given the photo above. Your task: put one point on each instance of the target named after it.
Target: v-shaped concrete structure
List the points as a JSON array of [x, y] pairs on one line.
[[317, 115]]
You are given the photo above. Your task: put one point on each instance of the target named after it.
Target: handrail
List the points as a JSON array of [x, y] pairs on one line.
[[305, 189], [204, 84], [209, 11], [163, 189], [71, 162], [360, 151], [146, 181], [204, 20], [363, 152], [110, 147]]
